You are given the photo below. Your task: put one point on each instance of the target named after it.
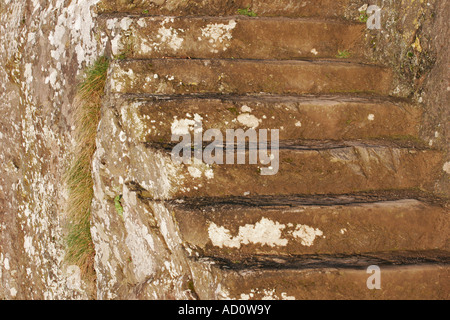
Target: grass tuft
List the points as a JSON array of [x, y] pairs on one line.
[[79, 247]]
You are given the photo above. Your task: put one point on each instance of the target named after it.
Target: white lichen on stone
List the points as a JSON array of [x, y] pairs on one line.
[[307, 234], [264, 232], [248, 120], [265, 294], [446, 167], [246, 109], [169, 36], [218, 34]]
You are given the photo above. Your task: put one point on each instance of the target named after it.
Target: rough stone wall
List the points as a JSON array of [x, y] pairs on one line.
[[139, 255], [436, 92], [43, 45], [413, 40]]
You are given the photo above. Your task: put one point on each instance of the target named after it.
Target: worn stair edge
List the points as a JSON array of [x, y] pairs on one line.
[[138, 37], [291, 8], [407, 275], [359, 261], [241, 230], [295, 200], [312, 169], [154, 119], [227, 76]]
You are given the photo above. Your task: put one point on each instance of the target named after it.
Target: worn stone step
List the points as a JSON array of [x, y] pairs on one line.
[[231, 37], [291, 8], [235, 229], [189, 76], [403, 275], [314, 168], [153, 118]]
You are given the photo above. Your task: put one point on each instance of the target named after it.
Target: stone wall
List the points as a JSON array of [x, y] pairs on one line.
[[413, 41], [44, 45]]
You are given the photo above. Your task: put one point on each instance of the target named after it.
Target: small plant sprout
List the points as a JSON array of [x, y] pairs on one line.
[[247, 12], [363, 17], [343, 54], [118, 205]]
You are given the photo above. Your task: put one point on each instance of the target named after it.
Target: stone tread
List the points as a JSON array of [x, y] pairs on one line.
[[313, 167], [404, 275], [297, 117], [235, 230], [228, 76], [280, 38]]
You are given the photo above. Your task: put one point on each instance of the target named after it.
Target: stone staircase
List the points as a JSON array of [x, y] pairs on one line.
[[353, 182]]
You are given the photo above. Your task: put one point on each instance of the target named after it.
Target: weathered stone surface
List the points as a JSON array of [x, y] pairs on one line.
[[413, 42], [340, 169], [143, 255], [308, 169], [236, 37], [316, 278], [140, 255], [150, 119], [133, 159], [234, 230], [184, 76], [286, 8], [44, 44]]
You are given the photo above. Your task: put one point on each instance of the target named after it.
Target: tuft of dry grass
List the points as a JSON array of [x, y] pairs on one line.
[[79, 247]]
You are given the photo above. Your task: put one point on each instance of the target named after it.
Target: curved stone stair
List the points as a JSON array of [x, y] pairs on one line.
[[351, 190]]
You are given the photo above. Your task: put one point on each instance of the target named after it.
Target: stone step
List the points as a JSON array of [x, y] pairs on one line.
[[237, 228], [403, 275], [231, 37], [153, 118], [290, 8], [304, 168], [190, 76]]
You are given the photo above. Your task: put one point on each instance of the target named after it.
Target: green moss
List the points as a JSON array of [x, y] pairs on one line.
[[247, 12], [191, 286], [118, 205], [363, 17], [234, 111], [343, 54]]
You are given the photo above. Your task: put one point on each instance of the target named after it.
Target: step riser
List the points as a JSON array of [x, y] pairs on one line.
[[239, 231], [321, 119], [287, 8], [158, 37], [184, 76]]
